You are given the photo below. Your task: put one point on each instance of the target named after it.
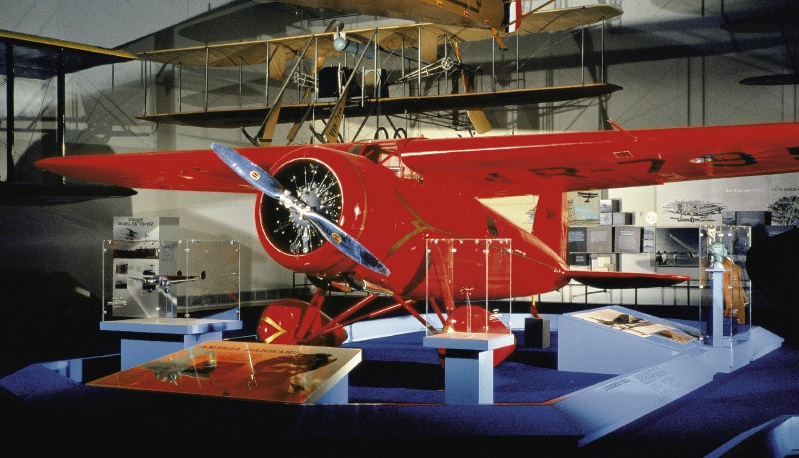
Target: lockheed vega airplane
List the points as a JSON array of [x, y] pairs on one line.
[[150, 281], [358, 216]]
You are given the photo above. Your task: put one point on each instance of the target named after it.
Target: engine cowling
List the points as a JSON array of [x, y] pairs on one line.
[[334, 185]]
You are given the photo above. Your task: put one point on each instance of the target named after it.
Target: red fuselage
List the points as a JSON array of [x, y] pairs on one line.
[[395, 218]]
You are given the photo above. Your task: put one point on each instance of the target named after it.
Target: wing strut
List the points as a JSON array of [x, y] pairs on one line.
[[274, 110], [334, 123]]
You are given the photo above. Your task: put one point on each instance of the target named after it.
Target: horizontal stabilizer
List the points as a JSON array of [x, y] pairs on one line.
[[625, 280]]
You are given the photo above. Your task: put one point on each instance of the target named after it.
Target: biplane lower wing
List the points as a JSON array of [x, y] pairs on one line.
[[243, 117]]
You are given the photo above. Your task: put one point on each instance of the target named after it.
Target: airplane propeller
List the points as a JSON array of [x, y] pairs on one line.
[[267, 184]]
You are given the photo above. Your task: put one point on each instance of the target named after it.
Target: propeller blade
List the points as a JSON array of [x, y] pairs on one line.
[[345, 243], [250, 171], [261, 179]]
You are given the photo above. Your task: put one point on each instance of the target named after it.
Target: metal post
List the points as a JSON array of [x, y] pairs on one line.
[[602, 68], [60, 94], [205, 95], [402, 68], [266, 77], [144, 82], [582, 44], [419, 64], [493, 67], [10, 111], [180, 88]]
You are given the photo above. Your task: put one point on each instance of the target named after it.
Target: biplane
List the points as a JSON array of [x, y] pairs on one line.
[[339, 90], [29, 57], [365, 215]]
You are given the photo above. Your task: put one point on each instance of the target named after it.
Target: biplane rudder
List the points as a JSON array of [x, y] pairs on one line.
[[551, 222]]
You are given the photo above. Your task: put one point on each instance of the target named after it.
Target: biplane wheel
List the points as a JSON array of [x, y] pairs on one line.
[[280, 322], [469, 318]]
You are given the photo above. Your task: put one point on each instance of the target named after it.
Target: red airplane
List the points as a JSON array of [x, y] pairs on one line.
[[358, 216]]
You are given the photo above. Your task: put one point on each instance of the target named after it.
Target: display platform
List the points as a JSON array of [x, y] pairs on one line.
[[246, 370], [469, 364], [659, 361], [396, 398], [145, 339]]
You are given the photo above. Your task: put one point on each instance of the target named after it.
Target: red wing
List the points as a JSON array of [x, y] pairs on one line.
[[624, 280], [495, 166], [198, 170], [530, 164]]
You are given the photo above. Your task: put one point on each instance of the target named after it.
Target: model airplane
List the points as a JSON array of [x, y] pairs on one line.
[[358, 216], [150, 281]]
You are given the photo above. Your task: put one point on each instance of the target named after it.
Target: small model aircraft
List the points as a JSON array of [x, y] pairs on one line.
[[694, 210], [150, 281], [360, 216], [587, 195]]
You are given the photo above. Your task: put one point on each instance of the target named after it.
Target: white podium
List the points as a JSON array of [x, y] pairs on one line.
[[469, 364]]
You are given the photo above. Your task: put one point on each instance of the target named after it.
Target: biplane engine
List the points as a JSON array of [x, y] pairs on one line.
[[336, 186]]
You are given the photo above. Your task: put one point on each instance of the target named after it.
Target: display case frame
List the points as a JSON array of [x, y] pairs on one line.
[[471, 272], [170, 278]]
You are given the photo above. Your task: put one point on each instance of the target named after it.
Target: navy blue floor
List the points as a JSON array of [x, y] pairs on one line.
[[398, 369], [397, 410]]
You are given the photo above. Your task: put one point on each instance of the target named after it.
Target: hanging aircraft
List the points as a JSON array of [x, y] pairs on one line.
[[29, 57], [417, 43], [358, 216]]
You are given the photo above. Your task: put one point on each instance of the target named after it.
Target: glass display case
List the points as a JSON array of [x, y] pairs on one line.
[[469, 287], [168, 279], [725, 312]]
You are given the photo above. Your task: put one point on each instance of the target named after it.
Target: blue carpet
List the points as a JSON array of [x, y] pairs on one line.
[[398, 369], [398, 388]]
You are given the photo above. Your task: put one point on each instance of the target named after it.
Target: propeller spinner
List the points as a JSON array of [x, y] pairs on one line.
[[267, 184]]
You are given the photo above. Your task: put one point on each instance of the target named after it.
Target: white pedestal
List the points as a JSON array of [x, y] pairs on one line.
[[151, 338], [469, 365]]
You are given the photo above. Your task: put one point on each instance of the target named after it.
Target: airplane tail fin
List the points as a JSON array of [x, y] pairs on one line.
[[551, 221]]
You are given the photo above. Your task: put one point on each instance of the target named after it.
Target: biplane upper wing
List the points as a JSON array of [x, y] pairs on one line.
[[280, 50], [565, 18], [35, 56], [493, 166]]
